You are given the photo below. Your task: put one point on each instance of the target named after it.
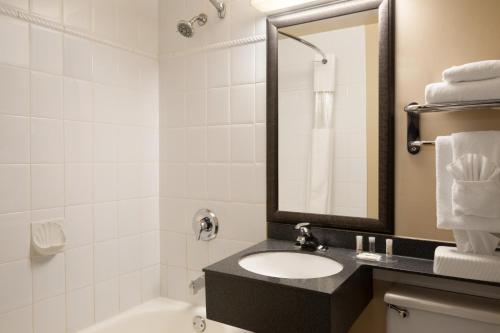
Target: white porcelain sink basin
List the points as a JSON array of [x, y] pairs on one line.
[[290, 265]]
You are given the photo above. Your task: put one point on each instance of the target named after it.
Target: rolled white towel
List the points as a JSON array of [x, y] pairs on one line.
[[445, 92], [476, 186], [474, 71]]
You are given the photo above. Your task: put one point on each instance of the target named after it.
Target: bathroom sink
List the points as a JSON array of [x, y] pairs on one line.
[[290, 265]]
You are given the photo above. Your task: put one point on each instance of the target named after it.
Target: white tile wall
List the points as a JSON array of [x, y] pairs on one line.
[[14, 237], [14, 91], [17, 321], [77, 14], [79, 308], [130, 290], [107, 299], [212, 151], [80, 142], [79, 267], [14, 139], [22, 4], [16, 288], [15, 189], [47, 141], [46, 49], [48, 276], [218, 141], [14, 38], [49, 315], [46, 95], [78, 139], [51, 9]]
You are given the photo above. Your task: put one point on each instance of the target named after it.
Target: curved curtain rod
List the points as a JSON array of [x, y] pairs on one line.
[[305, 42]]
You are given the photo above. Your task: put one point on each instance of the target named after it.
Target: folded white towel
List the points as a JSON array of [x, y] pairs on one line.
[[445, 92], [448, 261], [474, 71]]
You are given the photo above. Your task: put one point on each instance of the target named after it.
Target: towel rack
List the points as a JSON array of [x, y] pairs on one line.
[[413, 111]]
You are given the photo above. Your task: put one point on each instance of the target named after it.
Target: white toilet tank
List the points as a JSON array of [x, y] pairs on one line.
[[436, 311]]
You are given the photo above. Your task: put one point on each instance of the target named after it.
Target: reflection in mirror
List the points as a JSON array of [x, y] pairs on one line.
[[328, 116]]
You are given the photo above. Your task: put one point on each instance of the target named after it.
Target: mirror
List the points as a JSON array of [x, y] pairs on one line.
[[330, 116], [327, 106]]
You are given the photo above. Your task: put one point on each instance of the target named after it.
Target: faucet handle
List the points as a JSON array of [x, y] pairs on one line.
[[304, 228], [302, 225], [205, 225]]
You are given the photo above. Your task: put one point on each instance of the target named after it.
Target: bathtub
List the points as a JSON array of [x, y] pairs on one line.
[[161, 315]]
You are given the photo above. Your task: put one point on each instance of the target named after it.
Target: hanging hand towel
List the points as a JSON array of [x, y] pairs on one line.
[[468, 231], [444, 182], [474, 71]]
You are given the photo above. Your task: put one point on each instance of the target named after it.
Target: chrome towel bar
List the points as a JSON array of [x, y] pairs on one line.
[[413, 111]]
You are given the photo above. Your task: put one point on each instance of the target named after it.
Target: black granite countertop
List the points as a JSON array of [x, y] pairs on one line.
[[328, 284]]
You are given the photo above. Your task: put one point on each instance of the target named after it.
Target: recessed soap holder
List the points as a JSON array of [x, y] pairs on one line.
[[47, 238]]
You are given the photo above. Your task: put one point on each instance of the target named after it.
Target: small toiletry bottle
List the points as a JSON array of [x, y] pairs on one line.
[[371, 243], [388, 247], [359, 244]]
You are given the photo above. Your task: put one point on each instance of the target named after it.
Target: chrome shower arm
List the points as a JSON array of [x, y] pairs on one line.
[[220, 6]]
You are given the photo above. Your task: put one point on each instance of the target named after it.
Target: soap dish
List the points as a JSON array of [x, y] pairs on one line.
[[47, 238]]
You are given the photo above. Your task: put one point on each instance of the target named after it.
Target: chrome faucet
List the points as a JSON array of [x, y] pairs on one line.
[[306, 240], [196, 285]]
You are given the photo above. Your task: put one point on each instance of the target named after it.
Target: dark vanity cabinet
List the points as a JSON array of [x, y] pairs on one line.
[[272, 305]]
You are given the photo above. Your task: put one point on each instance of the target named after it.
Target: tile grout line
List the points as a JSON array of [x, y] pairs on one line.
[[63, 123], [30, 177], [92, 182]]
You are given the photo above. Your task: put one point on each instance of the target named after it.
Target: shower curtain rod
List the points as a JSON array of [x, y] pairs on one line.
[[305, 42]]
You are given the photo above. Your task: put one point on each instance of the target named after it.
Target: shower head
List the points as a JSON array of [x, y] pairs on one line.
[[186, 28]]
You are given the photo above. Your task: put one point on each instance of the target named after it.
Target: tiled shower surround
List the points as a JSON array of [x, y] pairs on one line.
[[78, 144], [122, 138], [212, 138]]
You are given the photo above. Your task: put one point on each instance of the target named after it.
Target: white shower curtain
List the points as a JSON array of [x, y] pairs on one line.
[[320, 196], [320, 166]]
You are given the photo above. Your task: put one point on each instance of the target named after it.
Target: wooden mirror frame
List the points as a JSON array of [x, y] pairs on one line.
[[385, 221]]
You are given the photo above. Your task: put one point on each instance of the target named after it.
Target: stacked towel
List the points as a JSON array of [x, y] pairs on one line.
[[451, 262], [468, 189], [474, 71], [446, 92], [470, 82]]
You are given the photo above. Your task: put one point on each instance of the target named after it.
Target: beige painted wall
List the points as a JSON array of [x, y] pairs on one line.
[[431, 35]]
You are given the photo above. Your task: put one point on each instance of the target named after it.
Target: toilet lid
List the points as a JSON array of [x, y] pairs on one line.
[[444, 302]]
